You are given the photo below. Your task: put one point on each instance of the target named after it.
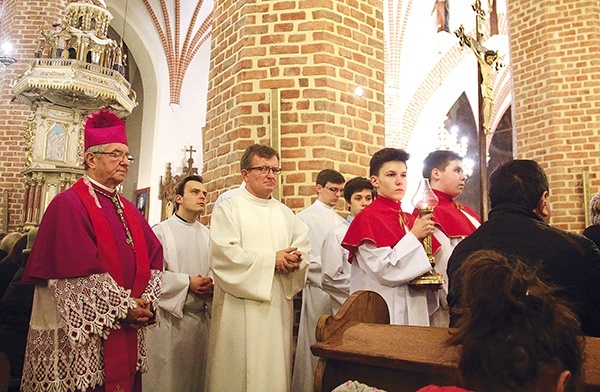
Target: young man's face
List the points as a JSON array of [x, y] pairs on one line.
[[330, 193], [360, 200], [451, 180], [193, 199], [391, 180]]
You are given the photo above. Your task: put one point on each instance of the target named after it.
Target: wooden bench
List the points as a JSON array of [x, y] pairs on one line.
[[359, 344]]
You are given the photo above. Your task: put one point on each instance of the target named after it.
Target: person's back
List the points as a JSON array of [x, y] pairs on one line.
[[11, 263], [15, 312], [516, 333], [568, 260]]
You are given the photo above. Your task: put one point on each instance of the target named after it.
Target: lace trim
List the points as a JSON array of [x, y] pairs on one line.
[[90, 305], [154, 287], [71, 357], [55, 363]]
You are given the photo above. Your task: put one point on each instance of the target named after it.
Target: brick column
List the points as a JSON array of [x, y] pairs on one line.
[[315, 52], [555, 46]]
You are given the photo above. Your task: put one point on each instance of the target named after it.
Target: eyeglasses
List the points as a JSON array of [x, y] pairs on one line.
[[118, 155], [265, 169], [335, 190]]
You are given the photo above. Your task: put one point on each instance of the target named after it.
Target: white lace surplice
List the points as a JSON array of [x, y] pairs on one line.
[[69, 320]]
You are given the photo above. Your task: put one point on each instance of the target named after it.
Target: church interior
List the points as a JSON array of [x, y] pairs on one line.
[[328, 89], [326, 83]]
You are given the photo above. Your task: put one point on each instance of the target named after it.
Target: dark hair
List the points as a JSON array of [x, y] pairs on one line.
[[181, 186], [357, 184], [438, 160], [260, 150], [384, 155], [521, 182], [330, 175], [180, 190], [516, 334]]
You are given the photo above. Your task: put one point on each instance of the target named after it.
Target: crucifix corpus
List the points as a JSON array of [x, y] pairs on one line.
[[487, 64]]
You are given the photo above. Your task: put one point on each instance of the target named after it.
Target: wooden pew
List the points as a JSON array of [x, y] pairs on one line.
[[359, 344]]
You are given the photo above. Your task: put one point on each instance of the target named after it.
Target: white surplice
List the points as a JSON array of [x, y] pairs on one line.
[[440, 312], [335, 273], [177, 347], [387, 271], [320, 219], [250, 346]]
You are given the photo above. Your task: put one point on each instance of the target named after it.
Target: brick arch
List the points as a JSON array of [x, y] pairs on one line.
[[430, 87]]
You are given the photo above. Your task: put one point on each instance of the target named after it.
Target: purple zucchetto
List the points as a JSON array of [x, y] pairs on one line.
[[104, 127]]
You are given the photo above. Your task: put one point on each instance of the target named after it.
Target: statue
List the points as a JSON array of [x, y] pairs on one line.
[[488, 65], [442, 10], [41, 45]]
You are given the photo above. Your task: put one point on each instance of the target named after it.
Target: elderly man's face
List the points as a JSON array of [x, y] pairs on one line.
[[259, 184], [109, 167]]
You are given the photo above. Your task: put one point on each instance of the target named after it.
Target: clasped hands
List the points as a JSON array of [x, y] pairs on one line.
[[202, 286], [287, 260], [141, 316]]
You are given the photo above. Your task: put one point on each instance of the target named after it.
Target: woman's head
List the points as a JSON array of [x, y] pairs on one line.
[[516, 334]]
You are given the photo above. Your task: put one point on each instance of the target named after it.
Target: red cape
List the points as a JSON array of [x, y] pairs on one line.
[[378, 223], [450, 219], [66, 244]]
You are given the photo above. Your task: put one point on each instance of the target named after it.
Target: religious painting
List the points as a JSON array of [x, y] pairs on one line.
[[142, 200], [56, 142]]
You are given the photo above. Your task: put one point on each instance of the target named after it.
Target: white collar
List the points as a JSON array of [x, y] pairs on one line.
[[110, 190]]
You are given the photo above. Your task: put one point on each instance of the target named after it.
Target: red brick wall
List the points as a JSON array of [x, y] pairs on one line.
[[555, 46], [21, 22], [315, 53]]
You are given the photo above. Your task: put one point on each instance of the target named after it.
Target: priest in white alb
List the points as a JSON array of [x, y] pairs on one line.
[[259, 258]]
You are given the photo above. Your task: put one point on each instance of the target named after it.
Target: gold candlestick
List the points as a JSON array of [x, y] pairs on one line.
[[425, 201]]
